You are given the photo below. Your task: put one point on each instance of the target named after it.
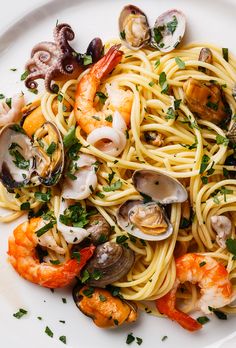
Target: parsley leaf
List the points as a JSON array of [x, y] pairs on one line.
[[163, 83], [21, 312], [43, 197], [180, 63], [225, 53], [203, 320], [204, 163], [130, 338], [231, 246], [113, 187], [172, 25], [102, 97], [220, 139], [48, 331]]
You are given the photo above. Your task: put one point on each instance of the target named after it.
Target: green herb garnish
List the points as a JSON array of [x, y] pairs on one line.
[[171, 26], [48, 332], [102, 97], [211, 105], [203, 320], [43, 197], [62, 339], [180, 63], [121, 239], [163, 83], [24, 75], [44, 229], [225, 54], [21, 312], [87, 59], [51, 148], [113, 187], [130, 338], [102, 298], [88, 292], [25, 206], [220, 139], [204, 163]]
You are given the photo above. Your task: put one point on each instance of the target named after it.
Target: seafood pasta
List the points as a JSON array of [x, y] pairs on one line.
[[126, 165]]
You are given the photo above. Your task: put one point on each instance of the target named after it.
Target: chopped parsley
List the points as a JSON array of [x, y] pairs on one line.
[[39, 318], [157, 63], [139, 341], [44, 229], [164, 338], [171, 114], [109, 118], [172, 25], [85, 276], [62, 339], [203, 320], [180, 63], [102, 97], [113, 187], [102, 298], [130, 338], [151, 83], [55, 262], [21, 312], [24, 75], [76, 255], [177, 103], [51, 148], [204, 163], [157, 35], [48, 331], [100, 195], [64, 300], [8, 102], [75, 215], [70, 138], [2, 96], [225, 54], [122, 35], [20, 161], [121, 239], [111, 176], [231, 246], [13, 69], [87, 59], [203, 263], [60, 97], [163, 83], [211, 105], [220, 139], [204, 180], [88, 292], [25, 206], [219, 314], [43, 197]]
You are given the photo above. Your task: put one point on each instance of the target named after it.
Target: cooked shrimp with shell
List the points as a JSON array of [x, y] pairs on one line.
[[123, 170]]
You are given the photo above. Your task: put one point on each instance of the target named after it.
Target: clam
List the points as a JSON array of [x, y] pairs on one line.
[[205, 56], [111, 261], [98, 229], [25, 161], [168, 30], [134, 27], [149, 221]]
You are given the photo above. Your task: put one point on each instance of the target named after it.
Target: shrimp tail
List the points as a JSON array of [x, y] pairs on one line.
[[106, 64], [166, 305]]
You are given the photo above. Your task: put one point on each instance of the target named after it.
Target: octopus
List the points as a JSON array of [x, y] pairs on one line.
[[53, 60]]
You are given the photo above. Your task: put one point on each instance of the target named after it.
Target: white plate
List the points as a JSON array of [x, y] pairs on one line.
[[210, 21]]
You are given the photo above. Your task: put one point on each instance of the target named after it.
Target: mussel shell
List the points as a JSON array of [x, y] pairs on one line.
[[49, 173], [123, 221], [159, 186], [13, 137], [168, 30], [112, 260], [145, 33]]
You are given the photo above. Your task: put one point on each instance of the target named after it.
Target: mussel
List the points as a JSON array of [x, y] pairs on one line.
[[149, 220], [168, 30], [25, 161], [112, 261], [134, 27], [106, 310]]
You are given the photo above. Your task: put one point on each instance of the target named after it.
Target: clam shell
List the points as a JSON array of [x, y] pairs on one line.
[[134, 27], [168, 30], [160, 187], [123, 221]]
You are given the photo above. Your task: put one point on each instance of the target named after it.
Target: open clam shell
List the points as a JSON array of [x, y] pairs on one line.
[[168, 30], [16, 160], [149, 216], [134, 27], [24, 161], [160, 187]]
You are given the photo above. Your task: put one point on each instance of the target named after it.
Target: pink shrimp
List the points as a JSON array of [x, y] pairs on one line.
[[213, 280], [86, 114], [23, 257]]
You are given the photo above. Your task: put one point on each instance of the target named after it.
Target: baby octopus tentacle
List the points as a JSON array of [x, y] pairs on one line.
[[53, 60], [62, 34]]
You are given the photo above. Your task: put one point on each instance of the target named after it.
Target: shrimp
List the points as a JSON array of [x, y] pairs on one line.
[[119, 100], [213, 280], [23, 257]]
